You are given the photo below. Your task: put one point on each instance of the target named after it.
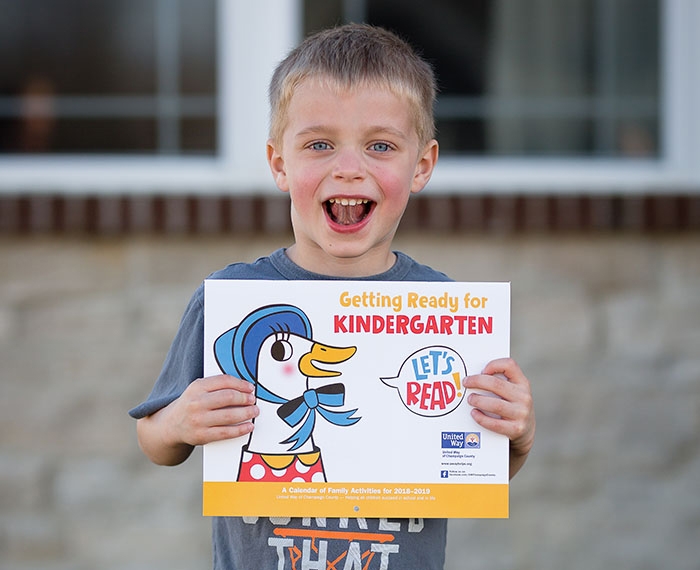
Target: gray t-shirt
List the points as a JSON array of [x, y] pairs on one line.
[[294, 543]]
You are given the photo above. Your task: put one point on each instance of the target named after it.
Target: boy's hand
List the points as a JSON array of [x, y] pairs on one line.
[[210, 409], [513, 408]]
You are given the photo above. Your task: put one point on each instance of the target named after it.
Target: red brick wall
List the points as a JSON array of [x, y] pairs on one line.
[[118, 215]]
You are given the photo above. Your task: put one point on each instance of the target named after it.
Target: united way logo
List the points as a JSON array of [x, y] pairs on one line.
[[472, 440], [461, 440]]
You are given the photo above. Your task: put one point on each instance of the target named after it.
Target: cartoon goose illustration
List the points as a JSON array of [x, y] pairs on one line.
[[273, 348]]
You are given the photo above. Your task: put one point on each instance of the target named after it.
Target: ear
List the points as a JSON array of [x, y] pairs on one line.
[[276, 162], [424, 166]]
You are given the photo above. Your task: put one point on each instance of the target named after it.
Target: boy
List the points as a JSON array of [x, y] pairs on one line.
[[351, 138]]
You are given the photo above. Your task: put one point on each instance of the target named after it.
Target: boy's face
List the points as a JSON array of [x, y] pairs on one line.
[[350, 161]]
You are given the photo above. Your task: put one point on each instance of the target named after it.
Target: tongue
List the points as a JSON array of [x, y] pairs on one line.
[[347, 215]]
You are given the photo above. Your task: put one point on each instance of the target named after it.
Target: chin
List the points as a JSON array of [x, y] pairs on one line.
[[356, 250]]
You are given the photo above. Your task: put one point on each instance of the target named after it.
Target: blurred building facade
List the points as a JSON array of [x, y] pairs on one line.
[[132, 165]]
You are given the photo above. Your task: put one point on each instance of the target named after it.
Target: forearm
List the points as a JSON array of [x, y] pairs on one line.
[[156, 440]]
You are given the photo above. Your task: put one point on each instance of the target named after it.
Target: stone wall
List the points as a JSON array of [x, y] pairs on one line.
[[607, 327]]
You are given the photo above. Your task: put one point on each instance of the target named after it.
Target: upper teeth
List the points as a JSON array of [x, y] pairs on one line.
[[348, 201]]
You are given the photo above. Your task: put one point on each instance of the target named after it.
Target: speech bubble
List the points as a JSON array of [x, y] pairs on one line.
[[429, 381]]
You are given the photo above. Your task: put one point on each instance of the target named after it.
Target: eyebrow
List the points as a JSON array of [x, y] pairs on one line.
[[312, 130]]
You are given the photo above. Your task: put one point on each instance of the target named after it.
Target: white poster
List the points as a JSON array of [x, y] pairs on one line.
[[362, 410]]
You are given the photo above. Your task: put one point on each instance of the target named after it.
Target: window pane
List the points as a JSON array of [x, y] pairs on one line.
[[530, 77], [197, 135], [107, 77], [94, 136], [197, 46]]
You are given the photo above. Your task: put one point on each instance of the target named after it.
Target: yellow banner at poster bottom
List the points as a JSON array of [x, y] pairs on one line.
[[371, 500]]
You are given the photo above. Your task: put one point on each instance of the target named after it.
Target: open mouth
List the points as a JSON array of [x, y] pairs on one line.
[[348, 211]]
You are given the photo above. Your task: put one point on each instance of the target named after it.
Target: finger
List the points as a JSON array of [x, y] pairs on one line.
[[223, 382], [219, 391], [508, 368], [231, 416], [502, 376], [220, 424], [227, 398], [488, 403], [495, 424], [495, 396], [495, 385], [219, 433]]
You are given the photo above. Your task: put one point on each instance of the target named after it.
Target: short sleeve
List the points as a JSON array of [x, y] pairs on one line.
[[184, 362]]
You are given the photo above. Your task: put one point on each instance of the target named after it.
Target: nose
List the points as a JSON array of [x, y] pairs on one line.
[[349, 165]]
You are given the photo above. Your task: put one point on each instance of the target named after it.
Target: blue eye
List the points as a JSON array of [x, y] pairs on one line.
[[380, 147], [319, 146]]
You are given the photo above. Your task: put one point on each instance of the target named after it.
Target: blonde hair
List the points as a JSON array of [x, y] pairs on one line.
[[355, 55]]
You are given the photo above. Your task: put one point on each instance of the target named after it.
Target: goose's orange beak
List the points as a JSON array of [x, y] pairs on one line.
[[323, 354]]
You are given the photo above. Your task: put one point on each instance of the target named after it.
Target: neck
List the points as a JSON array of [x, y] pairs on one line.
[[366, 265]]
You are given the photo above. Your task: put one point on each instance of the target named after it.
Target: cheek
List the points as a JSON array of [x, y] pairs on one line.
[[304, 181], [394, 174], [288, 369], [394, 184]]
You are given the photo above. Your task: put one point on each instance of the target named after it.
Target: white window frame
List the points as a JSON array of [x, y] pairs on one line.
[[254, 36]]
